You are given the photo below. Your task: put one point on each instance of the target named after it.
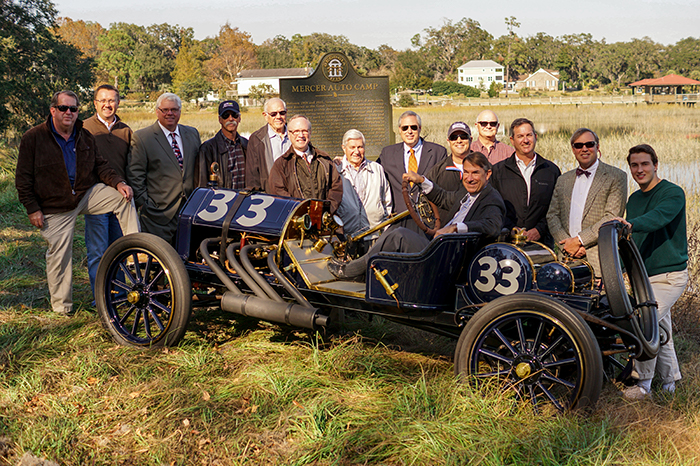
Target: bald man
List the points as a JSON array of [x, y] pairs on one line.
[[487, 125]]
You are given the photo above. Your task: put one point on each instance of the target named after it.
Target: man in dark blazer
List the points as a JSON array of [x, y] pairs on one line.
[[526, 182], [161, 168], [413, 154], [267, 144], [584, 199], [476, 207]]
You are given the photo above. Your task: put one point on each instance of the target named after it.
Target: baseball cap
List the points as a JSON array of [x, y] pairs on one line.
[[458, 126], [228, 106]]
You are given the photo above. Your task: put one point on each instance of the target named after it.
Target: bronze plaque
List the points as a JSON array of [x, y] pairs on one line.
[[335, 99]]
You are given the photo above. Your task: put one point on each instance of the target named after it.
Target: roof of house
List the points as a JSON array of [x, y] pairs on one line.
[[275, 73], [552, 73], [669, 80], [481, 64]]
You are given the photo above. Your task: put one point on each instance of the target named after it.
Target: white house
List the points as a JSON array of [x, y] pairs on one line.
[[249, 78], [480, 73]]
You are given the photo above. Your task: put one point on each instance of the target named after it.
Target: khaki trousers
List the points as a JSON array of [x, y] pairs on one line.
[[668, 287], [59, 230]]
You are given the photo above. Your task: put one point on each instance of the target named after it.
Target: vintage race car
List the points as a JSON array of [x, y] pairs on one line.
[[522, 318]]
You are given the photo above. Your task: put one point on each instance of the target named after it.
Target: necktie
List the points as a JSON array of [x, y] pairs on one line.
[[412, 161], [176, 150], [580, 171]]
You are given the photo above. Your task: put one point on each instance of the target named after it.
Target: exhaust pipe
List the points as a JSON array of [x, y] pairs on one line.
[[273, 311]]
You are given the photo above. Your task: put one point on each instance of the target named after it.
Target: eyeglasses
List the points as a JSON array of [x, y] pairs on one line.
[[65, 108], [228, 115], [405, 127], [280, 113], [297, 132], [169, 110], [106, 101], [492, 124], [579, 145], [460, 136]]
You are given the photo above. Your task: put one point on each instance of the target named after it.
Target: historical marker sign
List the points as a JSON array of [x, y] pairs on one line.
[[335, 99]]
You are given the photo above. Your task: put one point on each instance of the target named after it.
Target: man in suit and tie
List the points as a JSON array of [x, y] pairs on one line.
[[161, 168], [413, 154], [584, 199], [476, 207]]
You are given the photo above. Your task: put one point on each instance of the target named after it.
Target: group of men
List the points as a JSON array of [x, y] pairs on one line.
[[101, 169]]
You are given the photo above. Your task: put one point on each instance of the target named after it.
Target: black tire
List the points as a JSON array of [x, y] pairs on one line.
[[143, 293], [616, 249], [558, 365]]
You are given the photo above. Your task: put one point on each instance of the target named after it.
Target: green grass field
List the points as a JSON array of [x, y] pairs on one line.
[[238, 391]]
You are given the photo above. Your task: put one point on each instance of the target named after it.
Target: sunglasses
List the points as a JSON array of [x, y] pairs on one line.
[[274, 114], [492, 124], [65, 108], [579, 145], [413, 127], [228, 115], [460, 136]]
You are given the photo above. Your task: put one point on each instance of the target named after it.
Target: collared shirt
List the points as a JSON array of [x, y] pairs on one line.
[[107, 124], [68, 150], [280, 144], [356, 178], [578, 199], [236, 162], [526, 171], [498, 151], [167, 133], [306, 155], [417, 150]]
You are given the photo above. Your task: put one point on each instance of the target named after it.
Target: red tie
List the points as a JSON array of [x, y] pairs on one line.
[[176, 150]]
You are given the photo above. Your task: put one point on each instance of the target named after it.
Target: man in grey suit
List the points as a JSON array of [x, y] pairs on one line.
[[584, 199], [413, 154], [161, 168]]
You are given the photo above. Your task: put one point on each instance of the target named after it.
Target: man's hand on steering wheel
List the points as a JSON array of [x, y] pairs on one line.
[[413, 177]]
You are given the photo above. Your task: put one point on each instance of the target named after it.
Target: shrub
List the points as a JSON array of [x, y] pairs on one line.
[[448, 87], [405, 100]]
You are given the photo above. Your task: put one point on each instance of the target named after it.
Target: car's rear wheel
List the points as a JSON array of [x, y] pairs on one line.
[[143, 292], [535, 346]]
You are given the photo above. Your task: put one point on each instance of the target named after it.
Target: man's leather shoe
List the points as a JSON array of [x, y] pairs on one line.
[[337, 268]]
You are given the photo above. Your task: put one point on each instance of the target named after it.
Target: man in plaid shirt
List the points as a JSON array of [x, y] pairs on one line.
[[227, 148]]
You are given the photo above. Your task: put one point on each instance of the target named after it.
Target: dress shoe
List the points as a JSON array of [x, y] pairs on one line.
[[337, 269]]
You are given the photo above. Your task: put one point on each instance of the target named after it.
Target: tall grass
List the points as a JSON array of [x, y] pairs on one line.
[[239, 391]]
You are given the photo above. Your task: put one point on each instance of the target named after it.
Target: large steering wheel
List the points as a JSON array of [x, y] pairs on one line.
[[422, 211]]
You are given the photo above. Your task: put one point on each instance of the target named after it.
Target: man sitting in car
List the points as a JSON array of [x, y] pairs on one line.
[[476, 206]]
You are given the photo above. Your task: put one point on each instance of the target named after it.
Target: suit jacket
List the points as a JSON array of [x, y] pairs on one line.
[[485, 216], [391, 160], [606, 199], [259, 160], [160, 187]]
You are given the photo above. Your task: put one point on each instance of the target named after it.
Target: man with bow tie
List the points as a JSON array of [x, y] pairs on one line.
[[584, 199]]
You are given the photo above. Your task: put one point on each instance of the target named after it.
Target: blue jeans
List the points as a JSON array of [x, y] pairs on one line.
[[100, 232]]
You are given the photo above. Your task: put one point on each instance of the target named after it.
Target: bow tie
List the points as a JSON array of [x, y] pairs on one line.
[[580, 171]]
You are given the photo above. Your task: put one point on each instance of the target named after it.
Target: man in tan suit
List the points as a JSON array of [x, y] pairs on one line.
[[584, 199], [161, 168]]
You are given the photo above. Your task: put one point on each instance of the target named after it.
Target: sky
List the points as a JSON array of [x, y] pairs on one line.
[[371, 23]]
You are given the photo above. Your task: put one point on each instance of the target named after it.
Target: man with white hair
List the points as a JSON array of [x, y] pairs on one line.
[[366, 194], [267, 144], [161, 168]]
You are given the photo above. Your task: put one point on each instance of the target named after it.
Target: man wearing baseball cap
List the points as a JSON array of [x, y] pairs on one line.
[[448, 172], [526, 182], [227, 148]]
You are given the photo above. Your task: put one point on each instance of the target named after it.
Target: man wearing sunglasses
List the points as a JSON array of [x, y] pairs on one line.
[[267, 144], [526, 182], [413, 154], [487, 126], [585, 198], [161, 167], [60, 175], [227, 148]]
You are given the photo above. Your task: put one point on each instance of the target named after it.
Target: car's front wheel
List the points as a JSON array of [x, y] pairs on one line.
[[535, 346], [143, 293]]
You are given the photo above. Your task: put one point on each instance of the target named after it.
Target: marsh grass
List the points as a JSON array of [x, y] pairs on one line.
[[238, 391]]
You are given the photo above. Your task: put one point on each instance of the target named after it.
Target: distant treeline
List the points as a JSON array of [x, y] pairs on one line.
[[35, 45]]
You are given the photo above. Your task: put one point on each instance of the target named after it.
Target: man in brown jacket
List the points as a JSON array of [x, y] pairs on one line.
[[267, 144], [303, 171], [60, 175]]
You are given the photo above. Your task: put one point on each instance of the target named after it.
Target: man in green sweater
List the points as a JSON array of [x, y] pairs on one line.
[[656, 213]]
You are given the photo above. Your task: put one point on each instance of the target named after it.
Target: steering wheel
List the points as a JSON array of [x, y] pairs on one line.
[[422, 211]]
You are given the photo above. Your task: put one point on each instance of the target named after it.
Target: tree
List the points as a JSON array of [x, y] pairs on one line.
[[612, 61], [262, 92], [684, 56], [645, 58], [233, 52], [188, 76], [84, 35], [35, 63], [275, 53], [511, 23]]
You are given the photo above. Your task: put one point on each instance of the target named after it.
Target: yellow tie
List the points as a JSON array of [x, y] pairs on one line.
[[412, 162]]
